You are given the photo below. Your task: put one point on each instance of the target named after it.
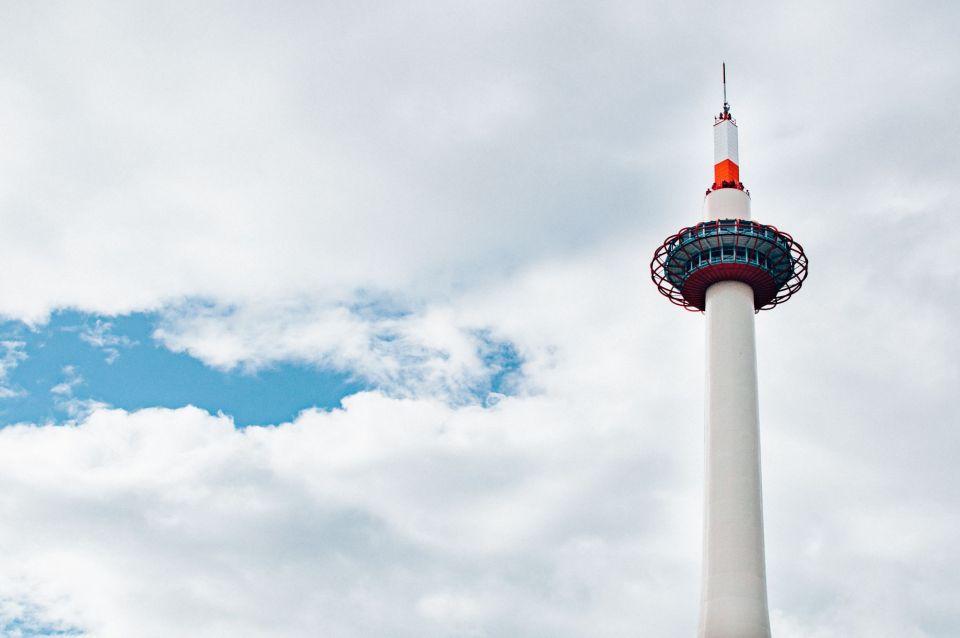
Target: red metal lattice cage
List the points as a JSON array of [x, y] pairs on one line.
[[767, 259]]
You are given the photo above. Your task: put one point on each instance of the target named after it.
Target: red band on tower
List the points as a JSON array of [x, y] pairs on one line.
[[726, 171]]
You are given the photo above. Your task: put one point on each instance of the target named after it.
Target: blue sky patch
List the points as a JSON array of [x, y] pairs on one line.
[[53, 372], [77, 361]]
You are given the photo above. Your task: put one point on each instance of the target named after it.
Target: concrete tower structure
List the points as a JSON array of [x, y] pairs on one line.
[[730, 267]]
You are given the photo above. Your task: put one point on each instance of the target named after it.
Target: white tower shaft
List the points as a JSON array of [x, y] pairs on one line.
[[734, 595]]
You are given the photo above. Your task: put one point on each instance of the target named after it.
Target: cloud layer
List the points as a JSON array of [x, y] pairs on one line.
[[570, 508], [457, 203]]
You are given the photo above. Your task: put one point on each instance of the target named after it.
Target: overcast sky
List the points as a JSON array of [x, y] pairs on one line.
[[334, 318]]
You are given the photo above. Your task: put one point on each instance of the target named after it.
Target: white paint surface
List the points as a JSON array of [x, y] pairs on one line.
[[725, 144], [727, 203], [734, 595]]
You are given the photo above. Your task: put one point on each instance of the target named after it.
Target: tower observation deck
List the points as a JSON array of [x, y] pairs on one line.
[[730, 267]]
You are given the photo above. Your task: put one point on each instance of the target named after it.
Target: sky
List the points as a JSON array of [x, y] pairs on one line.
[[335, 319]]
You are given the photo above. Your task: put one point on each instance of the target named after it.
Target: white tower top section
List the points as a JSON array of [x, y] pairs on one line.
[[726, 198], [725, 145]]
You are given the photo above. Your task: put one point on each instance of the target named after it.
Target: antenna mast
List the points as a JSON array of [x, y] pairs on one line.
[[726, 105]]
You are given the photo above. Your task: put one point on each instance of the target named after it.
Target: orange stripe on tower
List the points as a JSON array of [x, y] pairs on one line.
[[726, 171]]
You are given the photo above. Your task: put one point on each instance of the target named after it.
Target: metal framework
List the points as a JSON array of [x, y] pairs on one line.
[[767, 259]]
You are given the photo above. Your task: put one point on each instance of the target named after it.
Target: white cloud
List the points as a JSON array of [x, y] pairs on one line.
[[500, 175], [413, 354], [413, 151], [71, 381], [64, 400], [391, 517], [13, 353], [100, 335], [569, 509]]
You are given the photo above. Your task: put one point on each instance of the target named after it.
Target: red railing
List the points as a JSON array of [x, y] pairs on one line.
[[774, 279]]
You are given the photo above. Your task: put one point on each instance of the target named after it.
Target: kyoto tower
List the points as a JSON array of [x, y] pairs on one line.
[[730, 268]]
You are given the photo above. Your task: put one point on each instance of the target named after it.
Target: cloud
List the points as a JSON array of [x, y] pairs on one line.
[[73, 379], [401, 192], [325, 151], [569, 508], [395, 515], [100, 335], [13, 354], [65, 401], [391, 516], [423, 352]]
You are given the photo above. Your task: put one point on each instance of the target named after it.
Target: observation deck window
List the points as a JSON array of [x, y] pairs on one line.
[[738, 254]]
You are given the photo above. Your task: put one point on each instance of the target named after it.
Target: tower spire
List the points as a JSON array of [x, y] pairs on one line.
[[726, 152], [726, 105]]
